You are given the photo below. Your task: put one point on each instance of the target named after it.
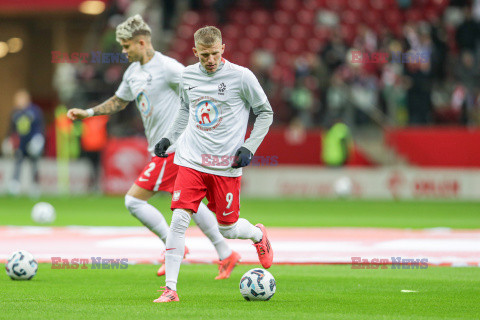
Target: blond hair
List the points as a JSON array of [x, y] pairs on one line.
[[207, 36], [132, 27]]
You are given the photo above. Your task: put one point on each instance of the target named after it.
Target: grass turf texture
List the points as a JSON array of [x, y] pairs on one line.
[[101, 211], [303, 292]]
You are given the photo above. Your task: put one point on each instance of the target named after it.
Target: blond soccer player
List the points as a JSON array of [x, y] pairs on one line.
[[216, 97], [152, 80]]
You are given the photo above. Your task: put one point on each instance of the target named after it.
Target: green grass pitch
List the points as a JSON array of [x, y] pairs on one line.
[[110, 211], [303, 291]]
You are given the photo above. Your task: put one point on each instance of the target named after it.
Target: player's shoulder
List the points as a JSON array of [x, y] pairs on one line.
[[192, 72], [192, 69], [131, 69], [236, 68], [168, 61]]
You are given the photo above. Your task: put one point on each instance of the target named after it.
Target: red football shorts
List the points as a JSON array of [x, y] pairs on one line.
[[159, 174], [223, 193]]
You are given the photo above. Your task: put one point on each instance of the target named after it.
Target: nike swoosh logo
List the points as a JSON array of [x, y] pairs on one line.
[[142, 179], [190, 88], [226, 214], [170, 249]]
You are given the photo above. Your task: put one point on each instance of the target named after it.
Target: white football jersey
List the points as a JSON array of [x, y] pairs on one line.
[[154, 88], [219, 107]]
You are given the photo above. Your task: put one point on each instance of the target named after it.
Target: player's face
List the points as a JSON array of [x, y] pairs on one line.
[[132, 48], [209, 57]]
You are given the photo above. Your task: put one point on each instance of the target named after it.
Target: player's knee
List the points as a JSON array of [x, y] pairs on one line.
[[133, 203], [180, 220], [228, 231]]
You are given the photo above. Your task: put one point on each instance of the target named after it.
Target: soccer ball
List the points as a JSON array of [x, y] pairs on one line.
[[343, 187], [43, 212], [257, 284], [21, 266]]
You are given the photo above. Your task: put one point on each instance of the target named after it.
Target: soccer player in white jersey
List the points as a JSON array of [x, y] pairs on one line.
[[209, 129], [152, 80]]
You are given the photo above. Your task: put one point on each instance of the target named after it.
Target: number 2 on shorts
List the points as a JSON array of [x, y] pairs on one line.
[[151, 166]]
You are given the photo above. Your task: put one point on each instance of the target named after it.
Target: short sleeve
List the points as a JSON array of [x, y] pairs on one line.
[[252, 91], [124, 92], [173, 73]]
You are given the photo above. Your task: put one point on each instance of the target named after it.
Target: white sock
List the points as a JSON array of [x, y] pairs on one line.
[[242, 229], [148, 215], [206, 221], [175, 246]]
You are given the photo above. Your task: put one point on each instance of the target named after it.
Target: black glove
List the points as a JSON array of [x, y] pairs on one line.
[[243, 156], [161, 148]]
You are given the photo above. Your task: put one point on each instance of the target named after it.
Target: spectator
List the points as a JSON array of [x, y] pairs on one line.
[[27, 128], [301, 101], [364, 94], [468, 32], [439, 50], [466, 72], [419, 84], [334, 52], [338, 107], [221, 8]]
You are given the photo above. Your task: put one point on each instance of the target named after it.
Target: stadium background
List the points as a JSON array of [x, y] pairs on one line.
[[406, 116], [414, 146]]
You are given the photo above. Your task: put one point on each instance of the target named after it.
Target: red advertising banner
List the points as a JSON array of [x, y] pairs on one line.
[[122, 161], [437, 147]]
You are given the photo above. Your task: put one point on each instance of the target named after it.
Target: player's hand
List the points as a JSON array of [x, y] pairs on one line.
[[77, 114], [161, 148], [243, 156]]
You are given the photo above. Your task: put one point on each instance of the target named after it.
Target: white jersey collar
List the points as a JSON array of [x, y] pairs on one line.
[[220, 67]]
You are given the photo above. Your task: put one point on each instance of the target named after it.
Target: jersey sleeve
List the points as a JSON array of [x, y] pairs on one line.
[[257, 99], [124, 92], [252, 91], [173, 73], [181, 119]]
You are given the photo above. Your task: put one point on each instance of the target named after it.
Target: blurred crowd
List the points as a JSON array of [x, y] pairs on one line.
[[440, 87], [324, 86]]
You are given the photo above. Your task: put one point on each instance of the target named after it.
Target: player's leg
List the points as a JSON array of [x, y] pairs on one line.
[[158, 174], [136, 202], [188, 192], [243, 229], [207, 222], [175, 245], [226, 192], [161, 178]]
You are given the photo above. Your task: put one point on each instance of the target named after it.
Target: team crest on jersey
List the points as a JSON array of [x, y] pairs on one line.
[[143, 104], [207, 114], [221, 89], [176, 195]]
